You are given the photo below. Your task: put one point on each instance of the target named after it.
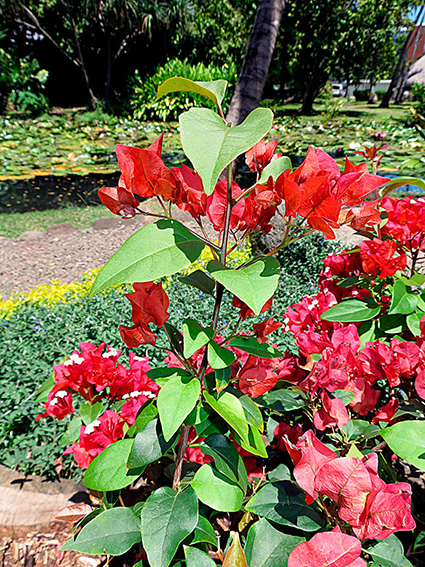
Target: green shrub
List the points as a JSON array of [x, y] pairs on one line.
[[361, 95], [168, 108], [36, 337]]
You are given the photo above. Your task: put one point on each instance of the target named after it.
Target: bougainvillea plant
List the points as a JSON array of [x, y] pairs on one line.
[[233, 453]]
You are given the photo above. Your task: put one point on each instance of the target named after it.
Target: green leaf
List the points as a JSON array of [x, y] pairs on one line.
[[253, 284], [197, 558], [162, 374], [219, 357], [211, 145], [416, 280], [344, 395], [147, 414], [109, 471], [282, 503], [252, 346], [175, 337], [391, 324], [413, 322], [217, 491], [168, 517], [176, 399], [44, 389], [352, 311], [149, 445], [275, 168], [252, 412], [90, 412], [226, 458], [231, 410], [222, 378], [366, 332], [281, 472], [402, 302], [386, 555], [213, 90], [407, 440], [195, 336], [254, 444], [354, 452], [356, 428], [200, 280], [235, 557], [283, 399], [204, 533], [267, 547], [159, 249], [72, 433], [399, 182], [113, 532]]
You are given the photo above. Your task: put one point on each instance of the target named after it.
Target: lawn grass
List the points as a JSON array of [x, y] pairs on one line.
[[360, 110], [14, 224]]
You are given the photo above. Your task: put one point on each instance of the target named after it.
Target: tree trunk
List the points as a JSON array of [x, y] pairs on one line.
[[252, 78], [309, 97], [398, 71], [373, 99]]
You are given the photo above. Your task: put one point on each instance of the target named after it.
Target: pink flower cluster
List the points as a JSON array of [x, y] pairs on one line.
[[371, 507]]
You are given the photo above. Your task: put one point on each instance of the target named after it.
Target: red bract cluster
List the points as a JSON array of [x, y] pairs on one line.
[[150, 303], [371, 507], [333, 549], [95, 374], [315, 191]]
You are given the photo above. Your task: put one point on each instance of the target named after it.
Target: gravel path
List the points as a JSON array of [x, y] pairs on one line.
[[64, 253]]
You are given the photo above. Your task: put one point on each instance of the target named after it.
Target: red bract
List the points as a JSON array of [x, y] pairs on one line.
[[308, 455], [333, 413], [95, 437], [346, 481], [283, 430], [119, 201], [386, 413], [59, 403], [406, 221], [191, 197], [329, 549], [216, 208], [356, 183], [246, 311], [261, 155], [257, 376], [150, 304], [378, 258], [387, 510], [366, 215], [261, 330], [140, 169]]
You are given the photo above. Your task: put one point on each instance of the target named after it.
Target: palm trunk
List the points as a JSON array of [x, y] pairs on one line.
[[252, 78]]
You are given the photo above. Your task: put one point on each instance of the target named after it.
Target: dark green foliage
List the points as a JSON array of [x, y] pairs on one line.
[[36, 338], [168, 108]]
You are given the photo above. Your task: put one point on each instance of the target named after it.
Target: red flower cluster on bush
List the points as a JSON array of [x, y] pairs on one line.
[[95, 374]]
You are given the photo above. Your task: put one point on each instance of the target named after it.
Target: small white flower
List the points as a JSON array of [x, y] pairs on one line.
[[140, 358], [75, 358], [53, 401], [110, 353], [148, 394], [135, 394], [61, 394], [126, 396], [91, 426]]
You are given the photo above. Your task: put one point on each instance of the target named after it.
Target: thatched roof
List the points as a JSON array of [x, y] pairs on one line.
[[416, 72]]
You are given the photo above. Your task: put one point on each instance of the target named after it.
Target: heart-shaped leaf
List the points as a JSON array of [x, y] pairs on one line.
[[176, 399], [195, 336], [402, 302], [253, 284], [197, 558], [252, 346], [200, 280], [219, 357], [231, 410], [149, 445], [214, 90], [399, 182], [407, 440], [211, 145], [159, 249], [268, 547]]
